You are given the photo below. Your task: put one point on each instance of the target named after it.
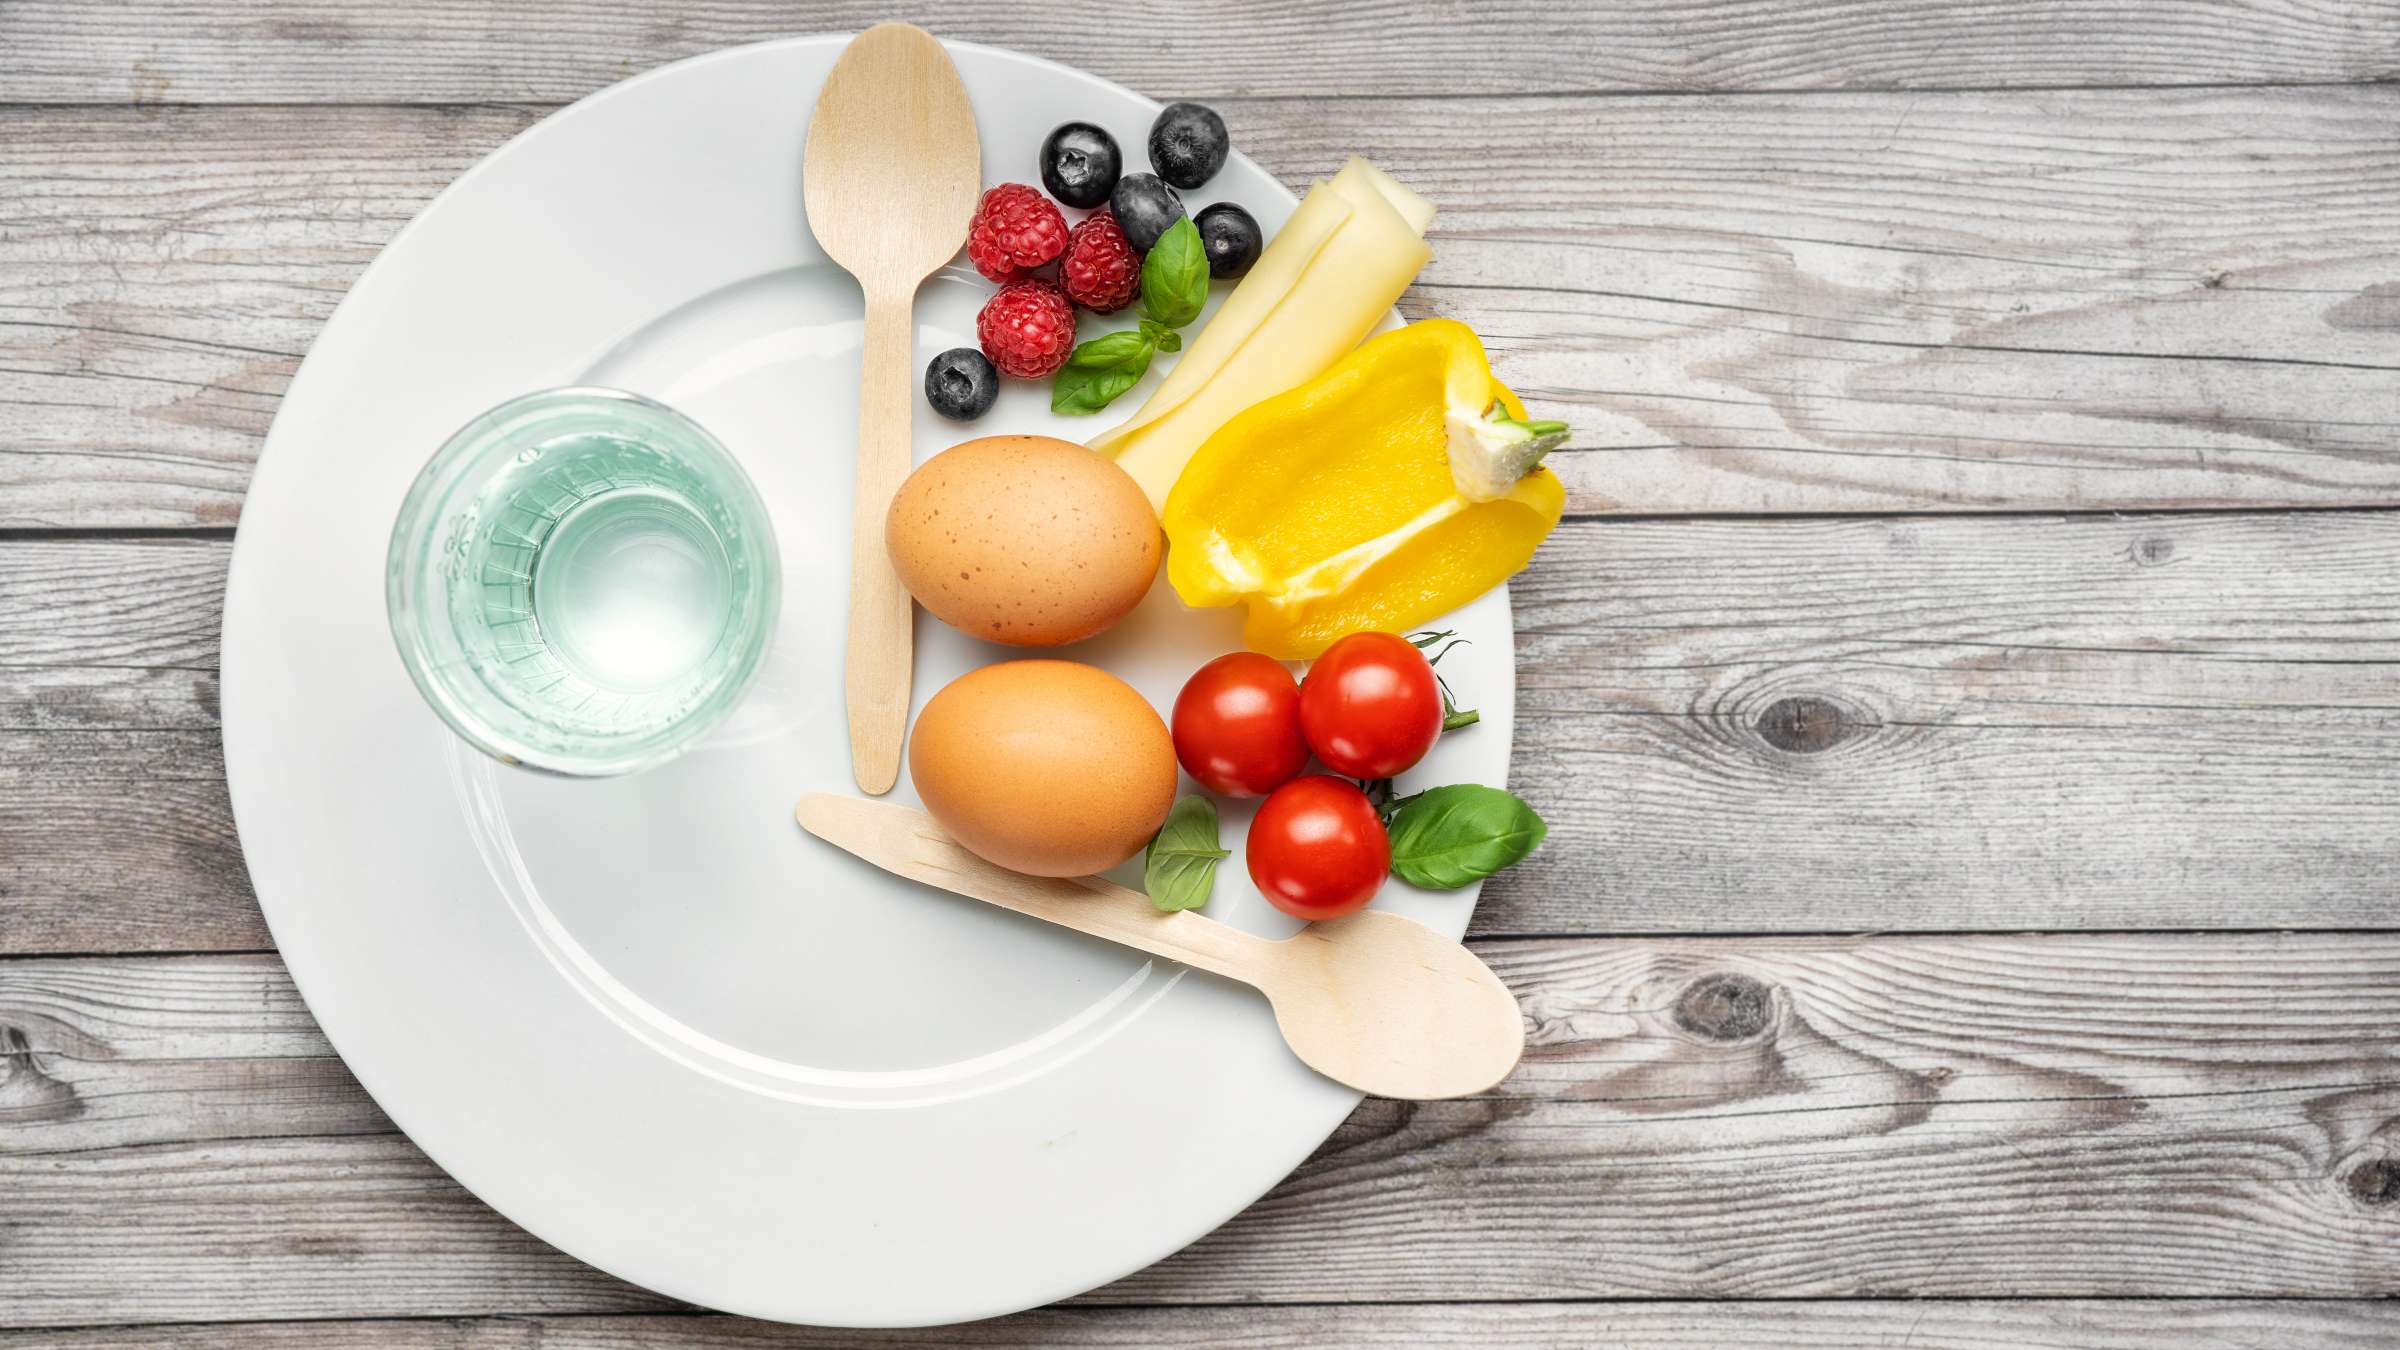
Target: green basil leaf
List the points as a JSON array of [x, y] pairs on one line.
[[1180, 869], [1175, 276], [1098, 371], [1110, 351], [1166, 339], [1448, 837]]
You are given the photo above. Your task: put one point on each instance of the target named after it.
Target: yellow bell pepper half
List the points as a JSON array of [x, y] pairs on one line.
[[1393, 488]]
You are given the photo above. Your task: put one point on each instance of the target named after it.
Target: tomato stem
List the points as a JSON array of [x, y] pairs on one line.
[[1425, 640], [1391, 807], [1453, 716]]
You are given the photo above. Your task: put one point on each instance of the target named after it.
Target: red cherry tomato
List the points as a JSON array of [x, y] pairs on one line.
[[1317, 849], [1370, 707], [1237, 726]]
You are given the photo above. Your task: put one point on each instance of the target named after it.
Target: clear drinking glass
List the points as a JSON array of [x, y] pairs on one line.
[[583, 581]]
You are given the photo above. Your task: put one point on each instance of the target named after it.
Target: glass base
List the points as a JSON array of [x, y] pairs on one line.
[[604, 584]]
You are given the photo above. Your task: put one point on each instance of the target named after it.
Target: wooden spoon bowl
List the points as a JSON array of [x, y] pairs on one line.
[[1389, 1006]]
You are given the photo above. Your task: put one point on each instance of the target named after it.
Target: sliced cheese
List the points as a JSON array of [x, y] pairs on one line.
[[1328, 278], [1359, 174]]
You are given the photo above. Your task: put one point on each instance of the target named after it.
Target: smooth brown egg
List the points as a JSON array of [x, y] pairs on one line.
[[1054, 768], [1028, 540]]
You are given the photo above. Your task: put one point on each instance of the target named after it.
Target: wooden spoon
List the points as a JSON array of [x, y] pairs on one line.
[[1373, 1001], [890, 174]]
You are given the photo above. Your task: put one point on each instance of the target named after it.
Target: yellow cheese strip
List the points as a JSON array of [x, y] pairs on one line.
[[1328, 278], [1360, 175]]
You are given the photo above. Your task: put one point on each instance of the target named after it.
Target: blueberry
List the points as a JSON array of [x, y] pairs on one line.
[[1145, 207], [961, 384], [1231, 238], [1188, 144], [1080, 164]]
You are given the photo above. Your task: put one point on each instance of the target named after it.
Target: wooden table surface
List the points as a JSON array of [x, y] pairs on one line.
[[1963, 694]]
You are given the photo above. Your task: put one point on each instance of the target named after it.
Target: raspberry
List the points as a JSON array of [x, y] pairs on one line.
[[1027, 328], [1101, 271], [1014, 230]]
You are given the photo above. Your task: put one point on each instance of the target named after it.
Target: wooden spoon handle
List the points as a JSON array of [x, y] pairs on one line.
[[908, 843], [1101, 908], [877, 667]]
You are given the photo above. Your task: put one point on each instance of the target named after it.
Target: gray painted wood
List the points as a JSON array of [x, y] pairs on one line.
[[115, 832], [2079, 1324], [1770, 259], [1732, 726], [444, 51], [2087, 722], [1873, 1118], [1772, 303]]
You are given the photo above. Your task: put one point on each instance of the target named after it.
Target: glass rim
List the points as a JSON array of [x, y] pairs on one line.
[[408, 565]]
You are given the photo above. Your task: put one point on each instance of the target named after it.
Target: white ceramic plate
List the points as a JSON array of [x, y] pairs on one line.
[[647, 1018]]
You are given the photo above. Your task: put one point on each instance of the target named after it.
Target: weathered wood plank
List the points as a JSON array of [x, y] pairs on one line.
[[1960, 723], [303, 51], [115, 831], [1915, 724], [110, 636], [2080, 1324], [1871, 302], [120, 840], [1884, 1117], [155, 302], [114, 1055]]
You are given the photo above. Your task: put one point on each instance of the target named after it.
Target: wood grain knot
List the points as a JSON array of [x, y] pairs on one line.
[[1802, 725], [28, 1095], [1725, 1007], [2153, 551], [2377, 1182]]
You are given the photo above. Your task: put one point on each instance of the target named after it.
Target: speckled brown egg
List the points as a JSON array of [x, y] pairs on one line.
[[1054, 768], [1028, 540]]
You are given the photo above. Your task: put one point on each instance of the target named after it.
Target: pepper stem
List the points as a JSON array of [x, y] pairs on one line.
[[1491, 451], [1545, 436]]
